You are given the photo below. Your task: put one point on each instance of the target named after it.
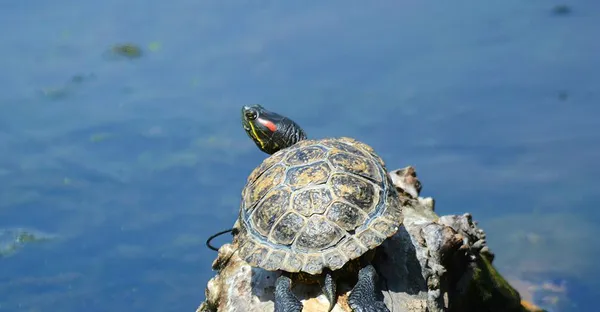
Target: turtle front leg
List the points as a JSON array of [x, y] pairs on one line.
[[366, 295], [285, 300]]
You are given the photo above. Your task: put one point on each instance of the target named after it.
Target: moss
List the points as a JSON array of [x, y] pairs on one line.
[[497, 281], [487, 290], [11, 240], [127, 50]]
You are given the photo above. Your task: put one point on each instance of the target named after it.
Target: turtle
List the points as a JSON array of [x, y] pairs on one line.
[[315, 210]]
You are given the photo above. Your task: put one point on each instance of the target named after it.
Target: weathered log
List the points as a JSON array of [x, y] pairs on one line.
[[432, 264]]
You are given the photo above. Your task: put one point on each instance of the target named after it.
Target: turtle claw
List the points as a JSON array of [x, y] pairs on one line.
[[329, 290], [285, 301], [366, 297]]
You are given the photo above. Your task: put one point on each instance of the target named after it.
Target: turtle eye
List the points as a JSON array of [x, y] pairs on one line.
[[251, 115]]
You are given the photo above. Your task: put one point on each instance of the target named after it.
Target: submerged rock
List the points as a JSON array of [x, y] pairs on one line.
[[432, 264]]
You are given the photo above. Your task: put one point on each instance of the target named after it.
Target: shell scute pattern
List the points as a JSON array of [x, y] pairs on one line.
[[274, 260], [393, 210], [265, 165], [318, 234], [247, 248], [348, 217], [335, 258], [346, 145], [274, 205], [293, 262], [307, 175], [352, 248], [370, 238], [285, 230], [355, 191], [364, 147], [263, 184], [358, 165], [257, 256], [313, 263], [317, 204], [310, 201], [384, 227], [305, 155]]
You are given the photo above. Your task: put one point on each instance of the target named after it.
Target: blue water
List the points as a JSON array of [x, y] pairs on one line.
[[131, 163]]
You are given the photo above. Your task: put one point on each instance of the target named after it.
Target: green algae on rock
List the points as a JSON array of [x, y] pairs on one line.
[[13, 239], [126, 50]]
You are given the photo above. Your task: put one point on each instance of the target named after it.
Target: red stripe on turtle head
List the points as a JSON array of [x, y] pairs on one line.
[[269, 124]]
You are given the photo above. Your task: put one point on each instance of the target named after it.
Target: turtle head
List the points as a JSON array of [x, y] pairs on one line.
[[270, 131]]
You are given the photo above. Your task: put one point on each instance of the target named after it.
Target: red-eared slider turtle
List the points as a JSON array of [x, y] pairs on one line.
[[315, 209]]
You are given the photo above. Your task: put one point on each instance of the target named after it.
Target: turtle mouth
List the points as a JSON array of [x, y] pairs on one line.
[[245, 122], [249, 114]]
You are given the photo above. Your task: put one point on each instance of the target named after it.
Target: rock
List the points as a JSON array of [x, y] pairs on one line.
[[432, 264], [406, 181]]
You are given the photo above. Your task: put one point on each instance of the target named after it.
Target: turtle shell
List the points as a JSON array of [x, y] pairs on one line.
[[317, 204]]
